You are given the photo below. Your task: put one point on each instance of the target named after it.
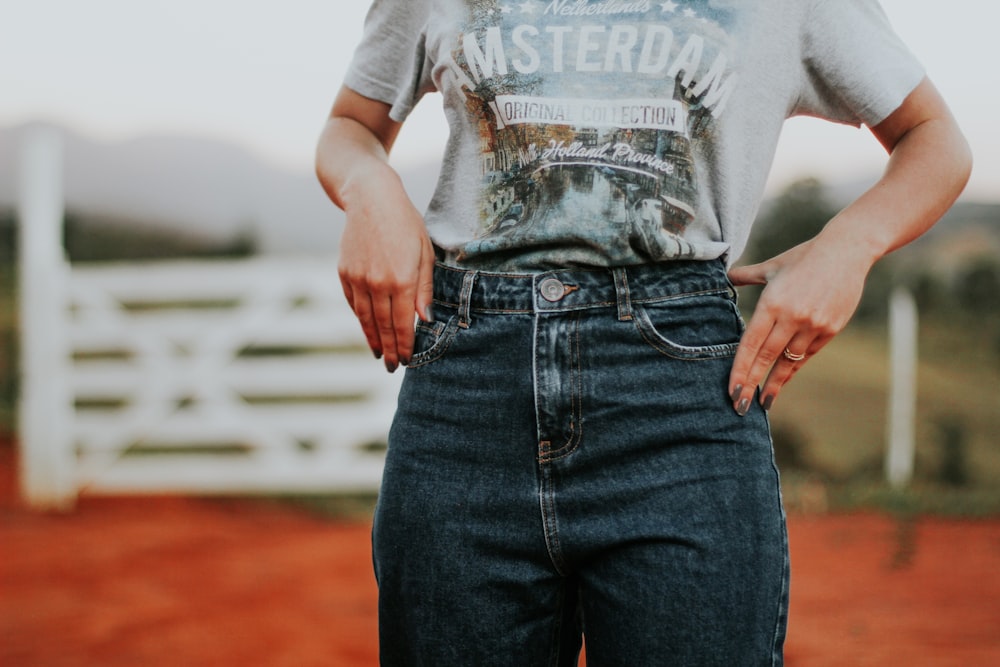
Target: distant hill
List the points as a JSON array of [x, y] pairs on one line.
[[197, 186], [223, 193]]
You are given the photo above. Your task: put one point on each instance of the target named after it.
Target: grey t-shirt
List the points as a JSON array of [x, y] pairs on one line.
[[619, 132]]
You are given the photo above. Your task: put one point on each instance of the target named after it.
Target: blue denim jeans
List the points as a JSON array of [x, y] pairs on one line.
[[565, 463]]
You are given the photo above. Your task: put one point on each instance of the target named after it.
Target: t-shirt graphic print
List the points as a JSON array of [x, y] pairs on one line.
[[587, 114], [619, 132]]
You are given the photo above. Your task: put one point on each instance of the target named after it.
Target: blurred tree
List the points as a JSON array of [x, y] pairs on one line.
[[101, 238], [794, 216], [954, 459], [978, 287], [8, 236], [929, 291], [243, 244], [878, 287]]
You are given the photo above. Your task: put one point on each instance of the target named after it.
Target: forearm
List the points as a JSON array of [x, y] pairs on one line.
[[386, 259], [350, 160], [927, 170]]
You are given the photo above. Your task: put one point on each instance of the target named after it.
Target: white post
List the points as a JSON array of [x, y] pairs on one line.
[[46, 449], [902, 388]]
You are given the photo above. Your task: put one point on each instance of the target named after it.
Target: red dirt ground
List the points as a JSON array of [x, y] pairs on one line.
[[182, 581]]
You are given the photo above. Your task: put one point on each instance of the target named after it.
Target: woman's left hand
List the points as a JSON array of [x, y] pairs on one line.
[[810, 293], [812, 290]]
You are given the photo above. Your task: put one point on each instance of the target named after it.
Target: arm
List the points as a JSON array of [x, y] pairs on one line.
[[386, 258], [812, 290]]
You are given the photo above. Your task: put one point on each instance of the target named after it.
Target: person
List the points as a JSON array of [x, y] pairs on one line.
[[581, 449]]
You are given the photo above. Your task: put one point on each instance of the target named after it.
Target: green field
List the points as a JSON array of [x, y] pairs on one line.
[[830, 423], [838, 402]]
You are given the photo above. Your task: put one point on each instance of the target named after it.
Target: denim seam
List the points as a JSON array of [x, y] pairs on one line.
[[615, 304], [781, 620], [489, 311], [682, 295], [681, 352], [550, 525], [781, 616], [576, 406], [633, 300]]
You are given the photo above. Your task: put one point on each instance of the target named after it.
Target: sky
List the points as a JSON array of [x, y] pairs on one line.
[[263, 74]]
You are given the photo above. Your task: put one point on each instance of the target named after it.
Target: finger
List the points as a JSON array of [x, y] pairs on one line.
[[759, 354], [365, 312], [425, 286], [360, 304], [752, 274], [756, 334], [786, 368], [403, 306], [793, 356], [348, 293], [385, 330], [770, 352]]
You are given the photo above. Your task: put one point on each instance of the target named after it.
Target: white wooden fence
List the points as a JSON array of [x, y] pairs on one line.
[[208, 377]]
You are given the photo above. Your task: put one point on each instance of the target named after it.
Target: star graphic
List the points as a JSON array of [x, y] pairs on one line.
[[506, 9], [668, 6], [690, 13], [527, 7]]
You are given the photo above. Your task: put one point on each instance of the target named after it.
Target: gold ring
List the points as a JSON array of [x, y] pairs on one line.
[[791, 356]]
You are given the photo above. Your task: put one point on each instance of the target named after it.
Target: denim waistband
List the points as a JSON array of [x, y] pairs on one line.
[[576, 288]]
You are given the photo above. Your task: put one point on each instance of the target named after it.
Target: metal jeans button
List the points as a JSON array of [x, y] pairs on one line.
[[552, 289]]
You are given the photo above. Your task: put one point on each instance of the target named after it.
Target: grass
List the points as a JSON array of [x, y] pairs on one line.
[[833, 416], [839, 400], [8, 350]]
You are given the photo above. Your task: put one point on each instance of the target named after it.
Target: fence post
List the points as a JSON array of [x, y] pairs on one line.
[[902, 388], [45, 412]]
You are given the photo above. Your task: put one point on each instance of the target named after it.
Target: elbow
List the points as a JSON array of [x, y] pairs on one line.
[[956, 160], [949, 154], [319, 156], [963, 170]]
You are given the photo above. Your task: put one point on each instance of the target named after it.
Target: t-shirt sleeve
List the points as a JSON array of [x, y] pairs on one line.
[[389, 64], [856, 69]]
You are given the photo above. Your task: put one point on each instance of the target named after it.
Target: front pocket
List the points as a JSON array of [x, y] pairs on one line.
[[432, 339], [698, 326]]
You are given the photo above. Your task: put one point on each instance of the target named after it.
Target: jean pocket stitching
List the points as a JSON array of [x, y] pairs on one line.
[[674, 350], [440, 345]]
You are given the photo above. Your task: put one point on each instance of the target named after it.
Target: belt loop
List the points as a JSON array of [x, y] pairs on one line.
[[622, 294], [465, 299]]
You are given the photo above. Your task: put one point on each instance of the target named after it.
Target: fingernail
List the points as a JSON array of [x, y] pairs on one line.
[[768, 402], [743, 408], [429, 311], [736, 393], [391, 367], [377, 353]]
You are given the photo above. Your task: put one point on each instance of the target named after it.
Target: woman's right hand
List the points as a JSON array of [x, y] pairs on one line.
[[386, 258], [386, 264]]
